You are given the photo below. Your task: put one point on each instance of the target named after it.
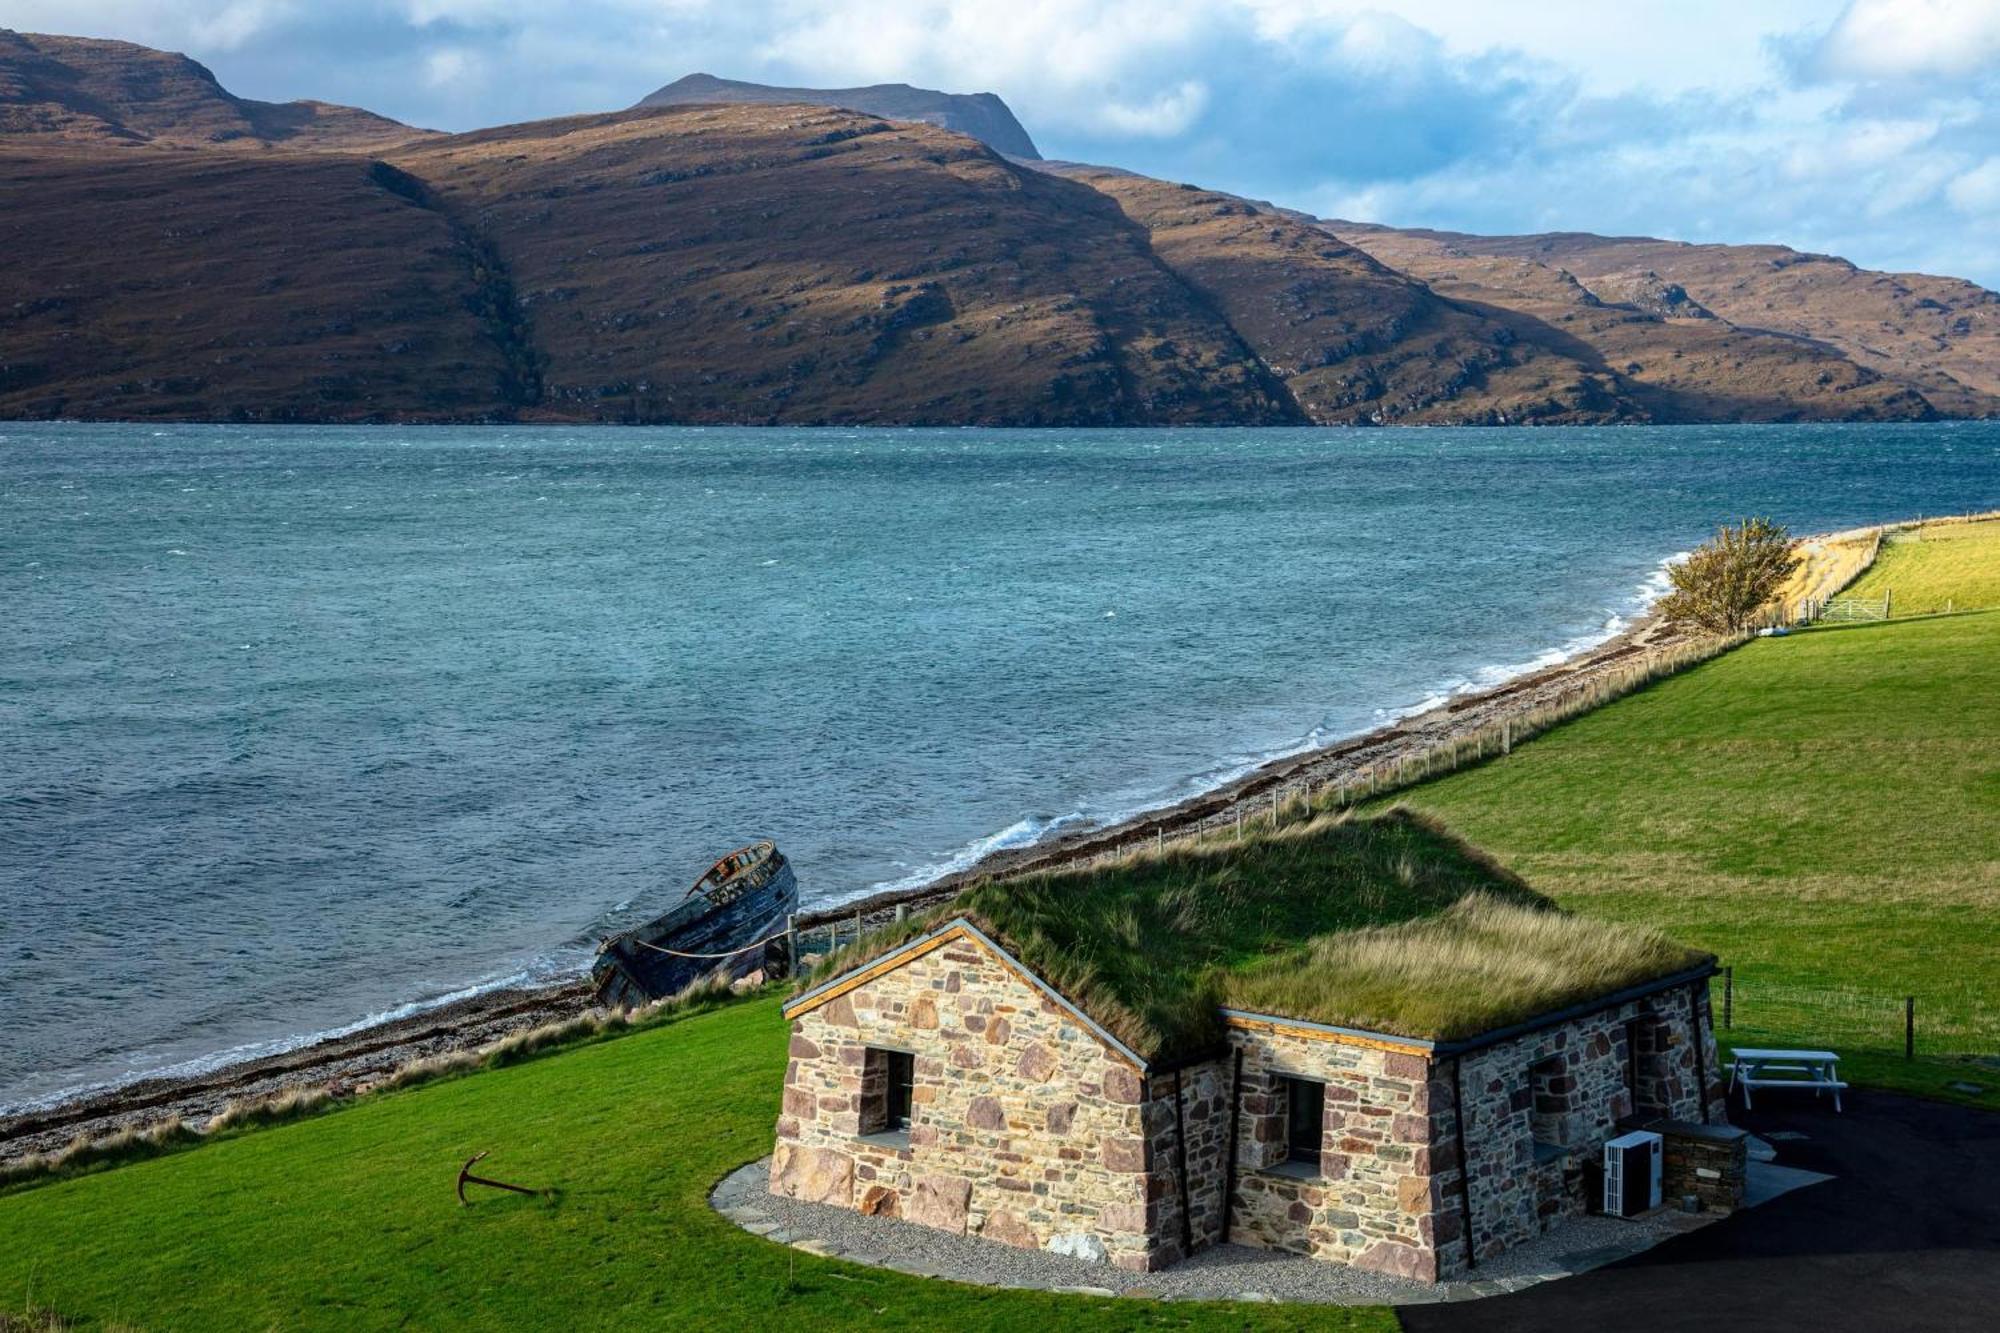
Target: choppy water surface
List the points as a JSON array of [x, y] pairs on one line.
[[300, 725]]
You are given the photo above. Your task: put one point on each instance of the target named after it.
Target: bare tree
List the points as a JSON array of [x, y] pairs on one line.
[[1723, 585]]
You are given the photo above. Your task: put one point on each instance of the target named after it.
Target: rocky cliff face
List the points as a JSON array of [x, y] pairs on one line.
[[980, 116]]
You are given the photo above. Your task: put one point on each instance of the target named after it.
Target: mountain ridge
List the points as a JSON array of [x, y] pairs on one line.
[[982, 116], [97, 90], [184, 254]]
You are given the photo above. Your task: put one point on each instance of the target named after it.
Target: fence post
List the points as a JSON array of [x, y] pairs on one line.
[[1506, 735], [1159, 839], [1909, 1027], [1274, 807], [791, 944], [1239, 823], [1728, 998]]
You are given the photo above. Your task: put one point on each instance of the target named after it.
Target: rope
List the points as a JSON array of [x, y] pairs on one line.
[[661, 948]]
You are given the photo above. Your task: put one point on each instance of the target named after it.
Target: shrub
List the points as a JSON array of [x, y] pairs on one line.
[[1726, 582]]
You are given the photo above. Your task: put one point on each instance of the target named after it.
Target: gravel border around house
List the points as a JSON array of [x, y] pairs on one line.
[[1218, 1273]]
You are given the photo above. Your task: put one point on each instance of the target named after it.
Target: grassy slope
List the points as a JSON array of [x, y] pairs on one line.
[[1823, 811], [1955, 563], [349, 1221]]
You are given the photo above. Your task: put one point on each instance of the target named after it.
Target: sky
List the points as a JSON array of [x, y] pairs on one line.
[[1865, 128]]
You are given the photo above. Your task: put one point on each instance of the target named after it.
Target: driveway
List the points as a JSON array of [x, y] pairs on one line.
[[1907, 1236]]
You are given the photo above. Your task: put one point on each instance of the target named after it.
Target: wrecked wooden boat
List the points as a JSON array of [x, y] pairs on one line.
[[722, 923]]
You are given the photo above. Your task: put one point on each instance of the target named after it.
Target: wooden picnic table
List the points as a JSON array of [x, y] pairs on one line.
[[1754, 1067]]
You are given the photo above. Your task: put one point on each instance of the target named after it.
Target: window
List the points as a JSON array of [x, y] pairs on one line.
[[902, 1074], [886, 1079], [1305, 1120]]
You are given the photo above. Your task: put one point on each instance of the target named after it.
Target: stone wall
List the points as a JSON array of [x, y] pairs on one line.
[[1570, 1085], [1025, 1126], [1710, 1162], [1373, 1203], [1030, 1129], [1203, 1091]]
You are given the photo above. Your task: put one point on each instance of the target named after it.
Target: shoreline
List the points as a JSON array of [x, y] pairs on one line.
[[362, 1055]]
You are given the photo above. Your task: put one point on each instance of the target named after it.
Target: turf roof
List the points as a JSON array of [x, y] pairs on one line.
[[1389, 924]]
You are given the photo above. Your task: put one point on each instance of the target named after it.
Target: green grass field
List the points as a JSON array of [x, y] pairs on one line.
[[348, 1221], [1938, 565], [1822, 811]]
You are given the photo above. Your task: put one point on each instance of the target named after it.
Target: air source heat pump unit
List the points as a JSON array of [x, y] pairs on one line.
[[1632, 1166]]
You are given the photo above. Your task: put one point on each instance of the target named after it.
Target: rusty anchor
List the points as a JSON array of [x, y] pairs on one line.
[[465, 1177]]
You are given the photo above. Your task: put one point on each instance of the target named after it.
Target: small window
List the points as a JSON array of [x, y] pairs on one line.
[[886, 1079], [1305, 1120], [902, 1074]]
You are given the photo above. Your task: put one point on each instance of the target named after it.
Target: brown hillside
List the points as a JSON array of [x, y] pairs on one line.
[[1939, 336], [142, 282], [115, 92], [1355, 341], [797, 264], [1666, 340]]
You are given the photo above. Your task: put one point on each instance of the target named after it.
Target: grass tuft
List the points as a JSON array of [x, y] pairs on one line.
[[1483, 963]]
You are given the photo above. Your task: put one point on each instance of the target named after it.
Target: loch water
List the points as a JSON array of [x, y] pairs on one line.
[[303, 725]]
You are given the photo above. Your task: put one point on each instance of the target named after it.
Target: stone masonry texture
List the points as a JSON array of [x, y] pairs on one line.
[[1027, 1128]]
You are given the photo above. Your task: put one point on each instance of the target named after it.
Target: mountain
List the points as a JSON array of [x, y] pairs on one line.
[[695, 264], [777, 264], [980, 116], [104, 92], [180, 285], [178, 253], [1937, 338], [1354, 341]]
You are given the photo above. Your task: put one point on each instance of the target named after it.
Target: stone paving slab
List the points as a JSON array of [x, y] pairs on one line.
[[1219, 1273]]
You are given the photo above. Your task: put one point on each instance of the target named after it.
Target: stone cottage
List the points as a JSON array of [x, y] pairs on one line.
[[1128, 1066]]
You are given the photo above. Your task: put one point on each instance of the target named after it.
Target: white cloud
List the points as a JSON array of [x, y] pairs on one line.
[[1977, 191], [449, 67], [1906, 39]]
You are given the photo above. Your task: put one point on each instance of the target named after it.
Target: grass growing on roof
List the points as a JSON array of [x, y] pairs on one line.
[[1483, 963], [1153, 946]]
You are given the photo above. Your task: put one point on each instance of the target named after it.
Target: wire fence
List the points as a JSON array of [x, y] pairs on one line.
[[1935, 1021], [1845, 610]]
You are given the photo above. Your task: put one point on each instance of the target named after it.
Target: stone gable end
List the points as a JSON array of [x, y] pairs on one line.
[[1026, 1126]]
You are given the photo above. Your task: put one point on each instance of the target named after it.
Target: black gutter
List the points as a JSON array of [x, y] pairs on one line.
[[1458, 1118], [1575, 1011], [1235, 1121]]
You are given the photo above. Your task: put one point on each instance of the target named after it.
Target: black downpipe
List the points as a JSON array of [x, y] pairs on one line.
[[1458, 1117], [1235, 1119], [1700, 1053], [1180, 1164]]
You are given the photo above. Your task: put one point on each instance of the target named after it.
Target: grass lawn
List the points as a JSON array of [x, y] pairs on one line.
[[1940, 564], [1822, 811], [349, 1221]]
